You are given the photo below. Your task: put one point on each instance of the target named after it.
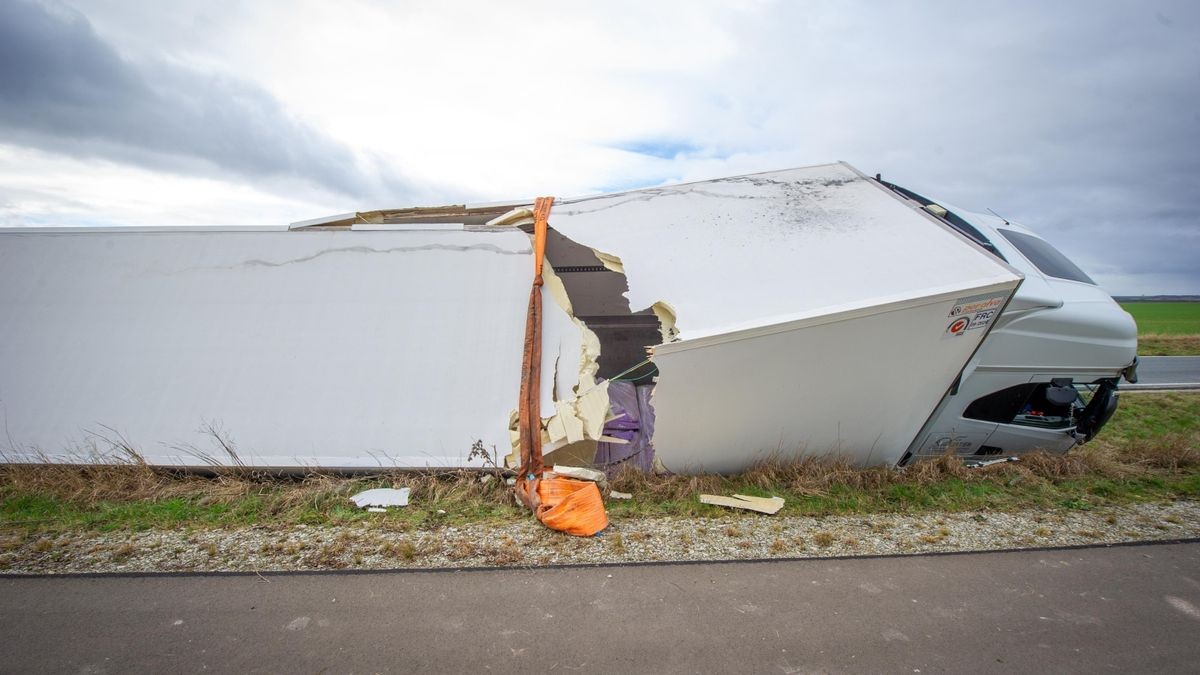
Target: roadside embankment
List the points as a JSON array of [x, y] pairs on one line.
[[1139, 480]]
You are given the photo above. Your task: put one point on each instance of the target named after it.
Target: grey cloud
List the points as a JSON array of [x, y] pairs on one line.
[[62, 88], [1077, 118]]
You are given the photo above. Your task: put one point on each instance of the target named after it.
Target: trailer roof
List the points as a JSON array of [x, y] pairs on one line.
[[744, 252]]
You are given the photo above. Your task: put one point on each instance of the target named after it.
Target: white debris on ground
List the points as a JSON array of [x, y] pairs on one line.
[[381, 498], [386, 544]]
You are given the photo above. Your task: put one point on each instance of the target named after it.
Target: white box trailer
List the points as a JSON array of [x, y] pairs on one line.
[[791, 313]]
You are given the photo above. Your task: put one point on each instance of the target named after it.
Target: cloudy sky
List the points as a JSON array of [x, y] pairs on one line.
[[1079, 119]]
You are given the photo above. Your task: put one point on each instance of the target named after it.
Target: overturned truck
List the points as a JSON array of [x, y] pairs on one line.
[[695, 327]]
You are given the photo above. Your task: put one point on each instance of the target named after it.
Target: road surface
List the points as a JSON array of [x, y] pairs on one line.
[[1159, 371], [1122, 609]]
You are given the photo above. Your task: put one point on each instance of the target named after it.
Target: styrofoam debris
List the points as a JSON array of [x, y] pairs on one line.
[[381, 497], [619, 495], [580, 473]]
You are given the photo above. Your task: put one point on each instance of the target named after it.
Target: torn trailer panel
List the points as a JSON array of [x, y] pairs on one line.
[[336, 348], [791, 313]]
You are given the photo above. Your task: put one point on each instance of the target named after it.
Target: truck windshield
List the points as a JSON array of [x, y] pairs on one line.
[[951, 217], [1045, 257]]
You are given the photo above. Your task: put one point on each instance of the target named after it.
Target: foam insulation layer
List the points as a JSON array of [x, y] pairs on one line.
[[570, 360]]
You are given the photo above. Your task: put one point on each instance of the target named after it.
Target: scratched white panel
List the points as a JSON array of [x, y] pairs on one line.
[[757, 250], [812, 307], [402, 348], [859, 385], [308, 348]]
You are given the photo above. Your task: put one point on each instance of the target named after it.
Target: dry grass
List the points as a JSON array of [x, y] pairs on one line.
[[315, 496], [90, 485], [823, 539], [402, 549], [1159, 344], [818, 475], [616, 543], [132, 482], [1168, 449], [1172, 452], [462, 549], [507, 553]]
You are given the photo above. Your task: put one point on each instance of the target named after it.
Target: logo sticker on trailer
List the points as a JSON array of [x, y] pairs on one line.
[[973, 313], [958, 326]]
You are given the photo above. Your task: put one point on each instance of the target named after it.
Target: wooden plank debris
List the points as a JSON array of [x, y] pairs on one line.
[[767, 505]]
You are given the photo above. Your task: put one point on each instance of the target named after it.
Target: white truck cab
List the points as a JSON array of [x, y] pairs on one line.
[[1046, 376]]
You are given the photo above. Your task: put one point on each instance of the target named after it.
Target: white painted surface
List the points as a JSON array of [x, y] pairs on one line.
[[342, 349], [764, 249], [138, 229], [323, 220], [1052, 328], [812, 306], [858, 385], [403, 227]]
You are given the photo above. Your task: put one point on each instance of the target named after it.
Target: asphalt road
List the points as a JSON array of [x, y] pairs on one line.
[[1122, 609], [1163, 370]]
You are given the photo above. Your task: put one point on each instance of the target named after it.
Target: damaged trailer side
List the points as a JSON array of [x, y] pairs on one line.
[[333, 348], [808, 311], [790, 313]]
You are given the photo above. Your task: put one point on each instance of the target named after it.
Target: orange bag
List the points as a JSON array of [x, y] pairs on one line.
[[571, 506]]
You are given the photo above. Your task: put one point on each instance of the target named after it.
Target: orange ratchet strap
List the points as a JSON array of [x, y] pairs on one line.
[[563, 504], [529, 415]]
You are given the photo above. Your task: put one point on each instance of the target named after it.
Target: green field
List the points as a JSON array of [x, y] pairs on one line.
[[1166, 328], [1165, 318]]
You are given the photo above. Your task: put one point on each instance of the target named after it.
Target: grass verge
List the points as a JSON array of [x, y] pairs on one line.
[[1159, 344], [1149, 452], [1166, 328]]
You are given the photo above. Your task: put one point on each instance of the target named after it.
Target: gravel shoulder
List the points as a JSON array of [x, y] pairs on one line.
[[735, 536]]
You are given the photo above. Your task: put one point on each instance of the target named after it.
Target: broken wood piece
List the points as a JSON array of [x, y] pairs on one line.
[[580, 473], [767, 505], [619, 495]]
